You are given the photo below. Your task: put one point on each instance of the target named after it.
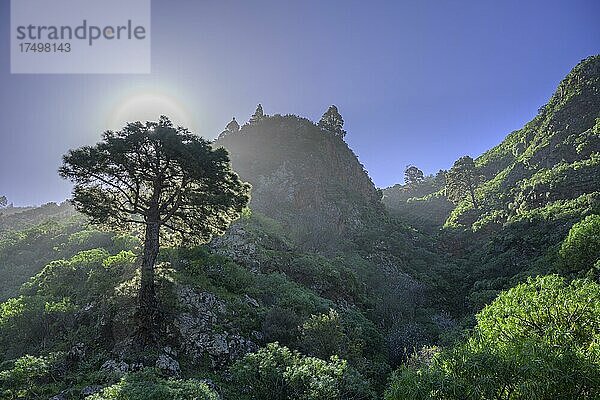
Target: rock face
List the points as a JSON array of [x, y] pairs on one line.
[[168, 365], [90, 390], [304, 177], [198, 333], [239, 245], [117, 368], [60, 396]]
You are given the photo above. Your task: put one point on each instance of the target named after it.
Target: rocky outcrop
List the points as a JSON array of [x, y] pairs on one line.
[[239, 245], [200, 329], [167, 364], [90, 390], [61, 396], [303, 177], [115, 368]]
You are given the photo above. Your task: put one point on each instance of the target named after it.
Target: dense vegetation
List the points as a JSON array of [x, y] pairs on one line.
[[537, 340], [480, 282]]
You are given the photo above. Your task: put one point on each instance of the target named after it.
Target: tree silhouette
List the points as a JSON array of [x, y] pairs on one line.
[[258, 115], [333, 122], [233, 126], [164, 179], [413, 175]]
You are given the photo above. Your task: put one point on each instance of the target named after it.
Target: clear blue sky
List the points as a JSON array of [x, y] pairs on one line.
[[421, 82]]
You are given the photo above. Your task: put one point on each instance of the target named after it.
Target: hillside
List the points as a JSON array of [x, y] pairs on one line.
[[552, 162], [536, 184], [327, 287], [29, 238], [314, 252]]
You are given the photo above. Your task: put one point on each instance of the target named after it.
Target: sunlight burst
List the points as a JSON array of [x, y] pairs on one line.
[[149, 106]]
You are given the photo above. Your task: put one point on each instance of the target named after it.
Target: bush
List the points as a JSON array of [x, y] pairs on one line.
[[276, 289], [404, 339], [63, 278], [32, 324], [43, 318], [347, 334], [24, 253], [30, 377], [277, 373], [87, 275], [538, 340], [87, 239], [581, 249], [280, 325], [323, 335], [147, 385]]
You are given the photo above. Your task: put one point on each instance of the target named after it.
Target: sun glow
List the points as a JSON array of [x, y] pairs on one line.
[[149, 106]]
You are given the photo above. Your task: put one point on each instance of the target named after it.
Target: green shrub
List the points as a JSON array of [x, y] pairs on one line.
[[24, 253], [347, 334], [277, 290], [87, 239], [66, 278], [30, 377], [43, 318], [277, 373], [323, 336], [404, 339], [280, 325], [126, 242], [581, 249], [32, 324], [538, 340], [331, 279], [147, 385], [88, 274]]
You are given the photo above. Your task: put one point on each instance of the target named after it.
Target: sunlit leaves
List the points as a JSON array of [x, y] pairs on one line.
[[581, 249]]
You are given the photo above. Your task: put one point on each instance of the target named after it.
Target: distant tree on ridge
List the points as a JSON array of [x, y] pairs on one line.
[[258, 114], [413, 175], [333, 122]]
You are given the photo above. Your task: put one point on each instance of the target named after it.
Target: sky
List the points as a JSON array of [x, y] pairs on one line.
[[417, 82]]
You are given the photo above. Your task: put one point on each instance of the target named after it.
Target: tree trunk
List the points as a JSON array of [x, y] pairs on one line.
[[472, 192], [147, 301]]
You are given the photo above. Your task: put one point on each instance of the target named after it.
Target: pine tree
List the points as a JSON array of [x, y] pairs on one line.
[[233, 126], [258, 114], [413, 175], [333, 122], [163, 179], [461, 180]]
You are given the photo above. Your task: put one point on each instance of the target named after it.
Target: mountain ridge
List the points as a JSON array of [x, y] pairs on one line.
[[562, 138]]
